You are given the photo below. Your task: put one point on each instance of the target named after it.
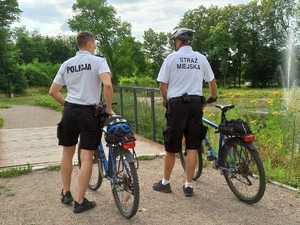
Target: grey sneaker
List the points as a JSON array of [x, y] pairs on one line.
[[66, 198], [188, 191], [162, 188], [85, 205]]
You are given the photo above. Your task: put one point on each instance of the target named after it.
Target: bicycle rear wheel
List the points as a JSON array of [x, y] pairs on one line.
[[125, 187], [97, 170], [244, 172], [199, 163]]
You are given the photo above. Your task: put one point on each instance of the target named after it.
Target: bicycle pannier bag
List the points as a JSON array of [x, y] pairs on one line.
[[234, 127]]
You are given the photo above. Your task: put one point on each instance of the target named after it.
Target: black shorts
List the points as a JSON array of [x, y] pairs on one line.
[[79, 121], [184, 119]]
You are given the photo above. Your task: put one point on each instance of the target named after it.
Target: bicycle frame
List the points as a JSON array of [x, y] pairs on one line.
[[106, 161], [222, 139]]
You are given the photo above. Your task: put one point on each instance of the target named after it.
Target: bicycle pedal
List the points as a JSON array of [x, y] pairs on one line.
[[211, 158]]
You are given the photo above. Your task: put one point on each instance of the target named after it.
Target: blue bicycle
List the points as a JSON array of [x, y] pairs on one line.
[[118, 163], [237, 158]]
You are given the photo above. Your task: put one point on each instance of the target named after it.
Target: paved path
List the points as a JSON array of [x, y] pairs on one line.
[[37, 145]]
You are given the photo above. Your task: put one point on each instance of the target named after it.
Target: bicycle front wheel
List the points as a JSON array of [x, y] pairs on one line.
[[244, 172], [199, 163], [97, 170], [126, 189]]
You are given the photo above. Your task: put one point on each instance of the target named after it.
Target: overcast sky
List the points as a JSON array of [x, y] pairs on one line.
[[49, 17]]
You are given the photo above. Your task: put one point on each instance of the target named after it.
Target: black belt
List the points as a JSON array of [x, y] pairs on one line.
[[68, 104], [191, 97]]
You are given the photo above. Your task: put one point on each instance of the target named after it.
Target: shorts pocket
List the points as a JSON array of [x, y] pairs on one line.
[[168, 135]]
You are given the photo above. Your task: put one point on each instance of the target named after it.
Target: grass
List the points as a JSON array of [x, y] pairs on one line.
[[7, 192], [53, 168], [15, 171]]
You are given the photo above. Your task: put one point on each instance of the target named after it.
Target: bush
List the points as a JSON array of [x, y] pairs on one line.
[[127, 81], [144, 81], [35, 77]]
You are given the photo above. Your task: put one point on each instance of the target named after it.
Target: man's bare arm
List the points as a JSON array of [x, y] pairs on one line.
[[54, 91]]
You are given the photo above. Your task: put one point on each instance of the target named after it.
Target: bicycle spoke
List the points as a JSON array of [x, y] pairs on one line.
[[245, 175], [126, 188]]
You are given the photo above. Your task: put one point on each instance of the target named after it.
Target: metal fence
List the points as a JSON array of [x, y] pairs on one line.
[[143, 109]]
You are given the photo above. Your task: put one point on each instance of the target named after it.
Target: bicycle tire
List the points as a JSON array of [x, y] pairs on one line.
[[199, 165], [97, 170], [245, 176], [126, 191]]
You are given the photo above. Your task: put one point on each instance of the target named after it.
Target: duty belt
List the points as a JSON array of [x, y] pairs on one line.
[[68, 104], [180, 99]]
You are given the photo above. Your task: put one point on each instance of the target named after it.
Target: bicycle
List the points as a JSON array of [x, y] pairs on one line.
[[119, 166], [237, 158]]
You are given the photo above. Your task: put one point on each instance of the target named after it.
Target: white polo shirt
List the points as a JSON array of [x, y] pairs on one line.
[[81, 76], [184, 72]]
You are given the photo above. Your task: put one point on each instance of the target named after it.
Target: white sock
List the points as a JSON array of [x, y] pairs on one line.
[[188, 185], [165, 182]]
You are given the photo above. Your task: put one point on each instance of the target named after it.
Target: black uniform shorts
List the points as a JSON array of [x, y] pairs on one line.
[[79, 121], [184, 119]]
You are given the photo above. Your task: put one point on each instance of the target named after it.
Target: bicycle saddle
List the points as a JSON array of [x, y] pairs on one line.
[[225, 108], [114, 117]]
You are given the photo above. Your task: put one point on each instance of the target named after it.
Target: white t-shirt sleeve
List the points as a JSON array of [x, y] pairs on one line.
[[59, 79], [208, 74], [164, 72], [103, 68]]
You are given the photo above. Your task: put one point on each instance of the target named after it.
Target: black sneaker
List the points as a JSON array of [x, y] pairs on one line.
[[162, 188], [66, 198], [188, 191], [85, 205]]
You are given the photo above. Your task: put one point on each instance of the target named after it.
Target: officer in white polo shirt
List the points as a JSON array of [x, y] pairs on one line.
[[181, 80], [83, 75]]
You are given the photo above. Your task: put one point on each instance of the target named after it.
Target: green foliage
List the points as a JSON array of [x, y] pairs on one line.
[[113, 34], [48, 101], [128, 81], [144, 81], [9, 12], [60, 48], [16, 171], [1, 122], [53, 167], [36, 77], [156, 48], [32, 46], [245, 42]]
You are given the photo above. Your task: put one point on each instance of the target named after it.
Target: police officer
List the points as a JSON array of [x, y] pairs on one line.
[[181, 79], [83, 76]]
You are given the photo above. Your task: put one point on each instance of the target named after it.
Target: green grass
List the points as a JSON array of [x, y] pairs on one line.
[[5, 191], [15, 171], [53, 168], [148, 157]]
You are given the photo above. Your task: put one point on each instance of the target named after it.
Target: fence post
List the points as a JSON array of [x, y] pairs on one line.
[[135, 111], [121, 100], [153, 116]]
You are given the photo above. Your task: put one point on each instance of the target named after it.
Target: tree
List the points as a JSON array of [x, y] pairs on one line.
[[31, 44], [9, 12], [59, 48], [100, 19], [219, 44], [156, 48]]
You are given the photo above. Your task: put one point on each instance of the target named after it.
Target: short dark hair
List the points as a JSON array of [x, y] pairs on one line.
[[83, 38]]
